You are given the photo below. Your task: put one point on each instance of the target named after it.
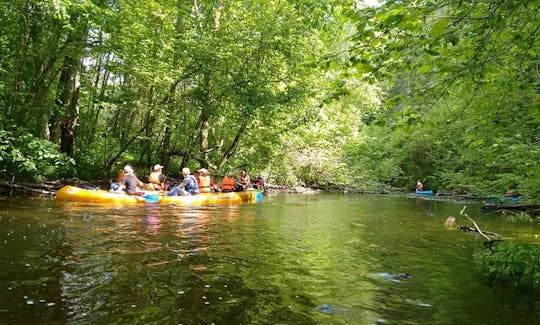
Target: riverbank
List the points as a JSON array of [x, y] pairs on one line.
[[48, 189]]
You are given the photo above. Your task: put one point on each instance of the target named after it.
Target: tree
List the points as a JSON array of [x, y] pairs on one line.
[[452, 67]]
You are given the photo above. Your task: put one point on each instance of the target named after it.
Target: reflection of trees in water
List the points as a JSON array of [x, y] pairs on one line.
[[33, 249], [151, 222], [196, 229], [124, 260], [193, 230]]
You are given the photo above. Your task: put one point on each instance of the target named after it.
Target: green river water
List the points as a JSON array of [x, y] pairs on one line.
[[293, 259]]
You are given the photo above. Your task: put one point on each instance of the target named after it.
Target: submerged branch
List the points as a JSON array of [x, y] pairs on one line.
[[478, 230]]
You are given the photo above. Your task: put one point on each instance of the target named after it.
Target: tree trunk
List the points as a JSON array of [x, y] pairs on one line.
[[40, 87], [69, 101], [204, 124], [149, 140], [234, 145], [166, 147], [69, 84], [15, 96]]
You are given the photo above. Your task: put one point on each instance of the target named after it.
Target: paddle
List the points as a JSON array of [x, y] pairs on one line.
[[148, 198], [151, 198]]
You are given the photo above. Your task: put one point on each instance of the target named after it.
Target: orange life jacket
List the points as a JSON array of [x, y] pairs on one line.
[[205, 184], [227, 184], [154, 179]]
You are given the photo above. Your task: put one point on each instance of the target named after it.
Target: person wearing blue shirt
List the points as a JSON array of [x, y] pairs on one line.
[[188, 186]]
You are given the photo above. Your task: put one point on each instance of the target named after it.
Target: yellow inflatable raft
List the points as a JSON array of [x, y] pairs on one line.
[[77, 194]]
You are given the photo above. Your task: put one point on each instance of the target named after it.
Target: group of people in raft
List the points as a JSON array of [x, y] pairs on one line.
[[128, 182]]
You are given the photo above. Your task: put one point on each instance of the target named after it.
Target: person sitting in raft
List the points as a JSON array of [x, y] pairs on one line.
[[129, 182], [206, 185], [228, 183], [243, 182], [419, 186], [259, 183], [116, 185], [188, 186], [156, 179], [121, 174]]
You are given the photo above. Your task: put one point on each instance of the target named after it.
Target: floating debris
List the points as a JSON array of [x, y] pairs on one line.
[[329, 309], [392, 277]]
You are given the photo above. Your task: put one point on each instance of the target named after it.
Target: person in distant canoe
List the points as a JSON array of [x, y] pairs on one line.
[[511, 194], [129, 182], [243, 181], [228, 183], [419, 186], [156, 179], [188, 186], [206, 185]]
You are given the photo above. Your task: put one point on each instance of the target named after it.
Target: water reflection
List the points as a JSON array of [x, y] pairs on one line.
[[325, 259], [151, 222]]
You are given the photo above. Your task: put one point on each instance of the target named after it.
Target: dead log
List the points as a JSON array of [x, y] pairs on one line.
[[467, 228], [10, 188], [489, 241]]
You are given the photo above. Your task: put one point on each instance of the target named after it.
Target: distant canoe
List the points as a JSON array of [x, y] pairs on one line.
[[532, 209], [428, 192], [504, 199]]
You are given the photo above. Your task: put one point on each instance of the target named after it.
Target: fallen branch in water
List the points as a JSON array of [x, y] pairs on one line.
[[477, 229], [11, 187], [467, 228]]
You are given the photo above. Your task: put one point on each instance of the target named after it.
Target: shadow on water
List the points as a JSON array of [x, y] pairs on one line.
[[295, 259]]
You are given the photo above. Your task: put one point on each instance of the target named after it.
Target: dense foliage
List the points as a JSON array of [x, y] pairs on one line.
[[329, 93], [28, 157], [462, 85], [518, 264]]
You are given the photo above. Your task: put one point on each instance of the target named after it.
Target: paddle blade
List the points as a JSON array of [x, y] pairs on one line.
[[151, 198]]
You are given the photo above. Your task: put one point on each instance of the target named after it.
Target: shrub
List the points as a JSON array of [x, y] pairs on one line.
[[29, 158], [509, 262]]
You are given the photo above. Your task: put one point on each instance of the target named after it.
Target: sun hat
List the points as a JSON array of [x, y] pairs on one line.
[[203, 171], [185, 171], [128, 170], [158, 166]]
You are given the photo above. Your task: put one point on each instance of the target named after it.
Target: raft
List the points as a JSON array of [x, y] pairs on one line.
[[76, 194], [428, 192]]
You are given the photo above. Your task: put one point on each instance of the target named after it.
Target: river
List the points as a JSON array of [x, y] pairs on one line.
[[293, 259]]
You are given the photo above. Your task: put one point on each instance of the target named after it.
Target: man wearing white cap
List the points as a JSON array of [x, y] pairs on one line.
[[156, 179], [129, 182], [188, 186]]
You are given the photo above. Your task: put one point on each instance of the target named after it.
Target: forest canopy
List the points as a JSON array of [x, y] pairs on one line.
[[329, 94]]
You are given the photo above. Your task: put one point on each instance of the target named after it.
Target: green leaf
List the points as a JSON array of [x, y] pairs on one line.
[[432, 52], [439, 27], [391, 16]]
